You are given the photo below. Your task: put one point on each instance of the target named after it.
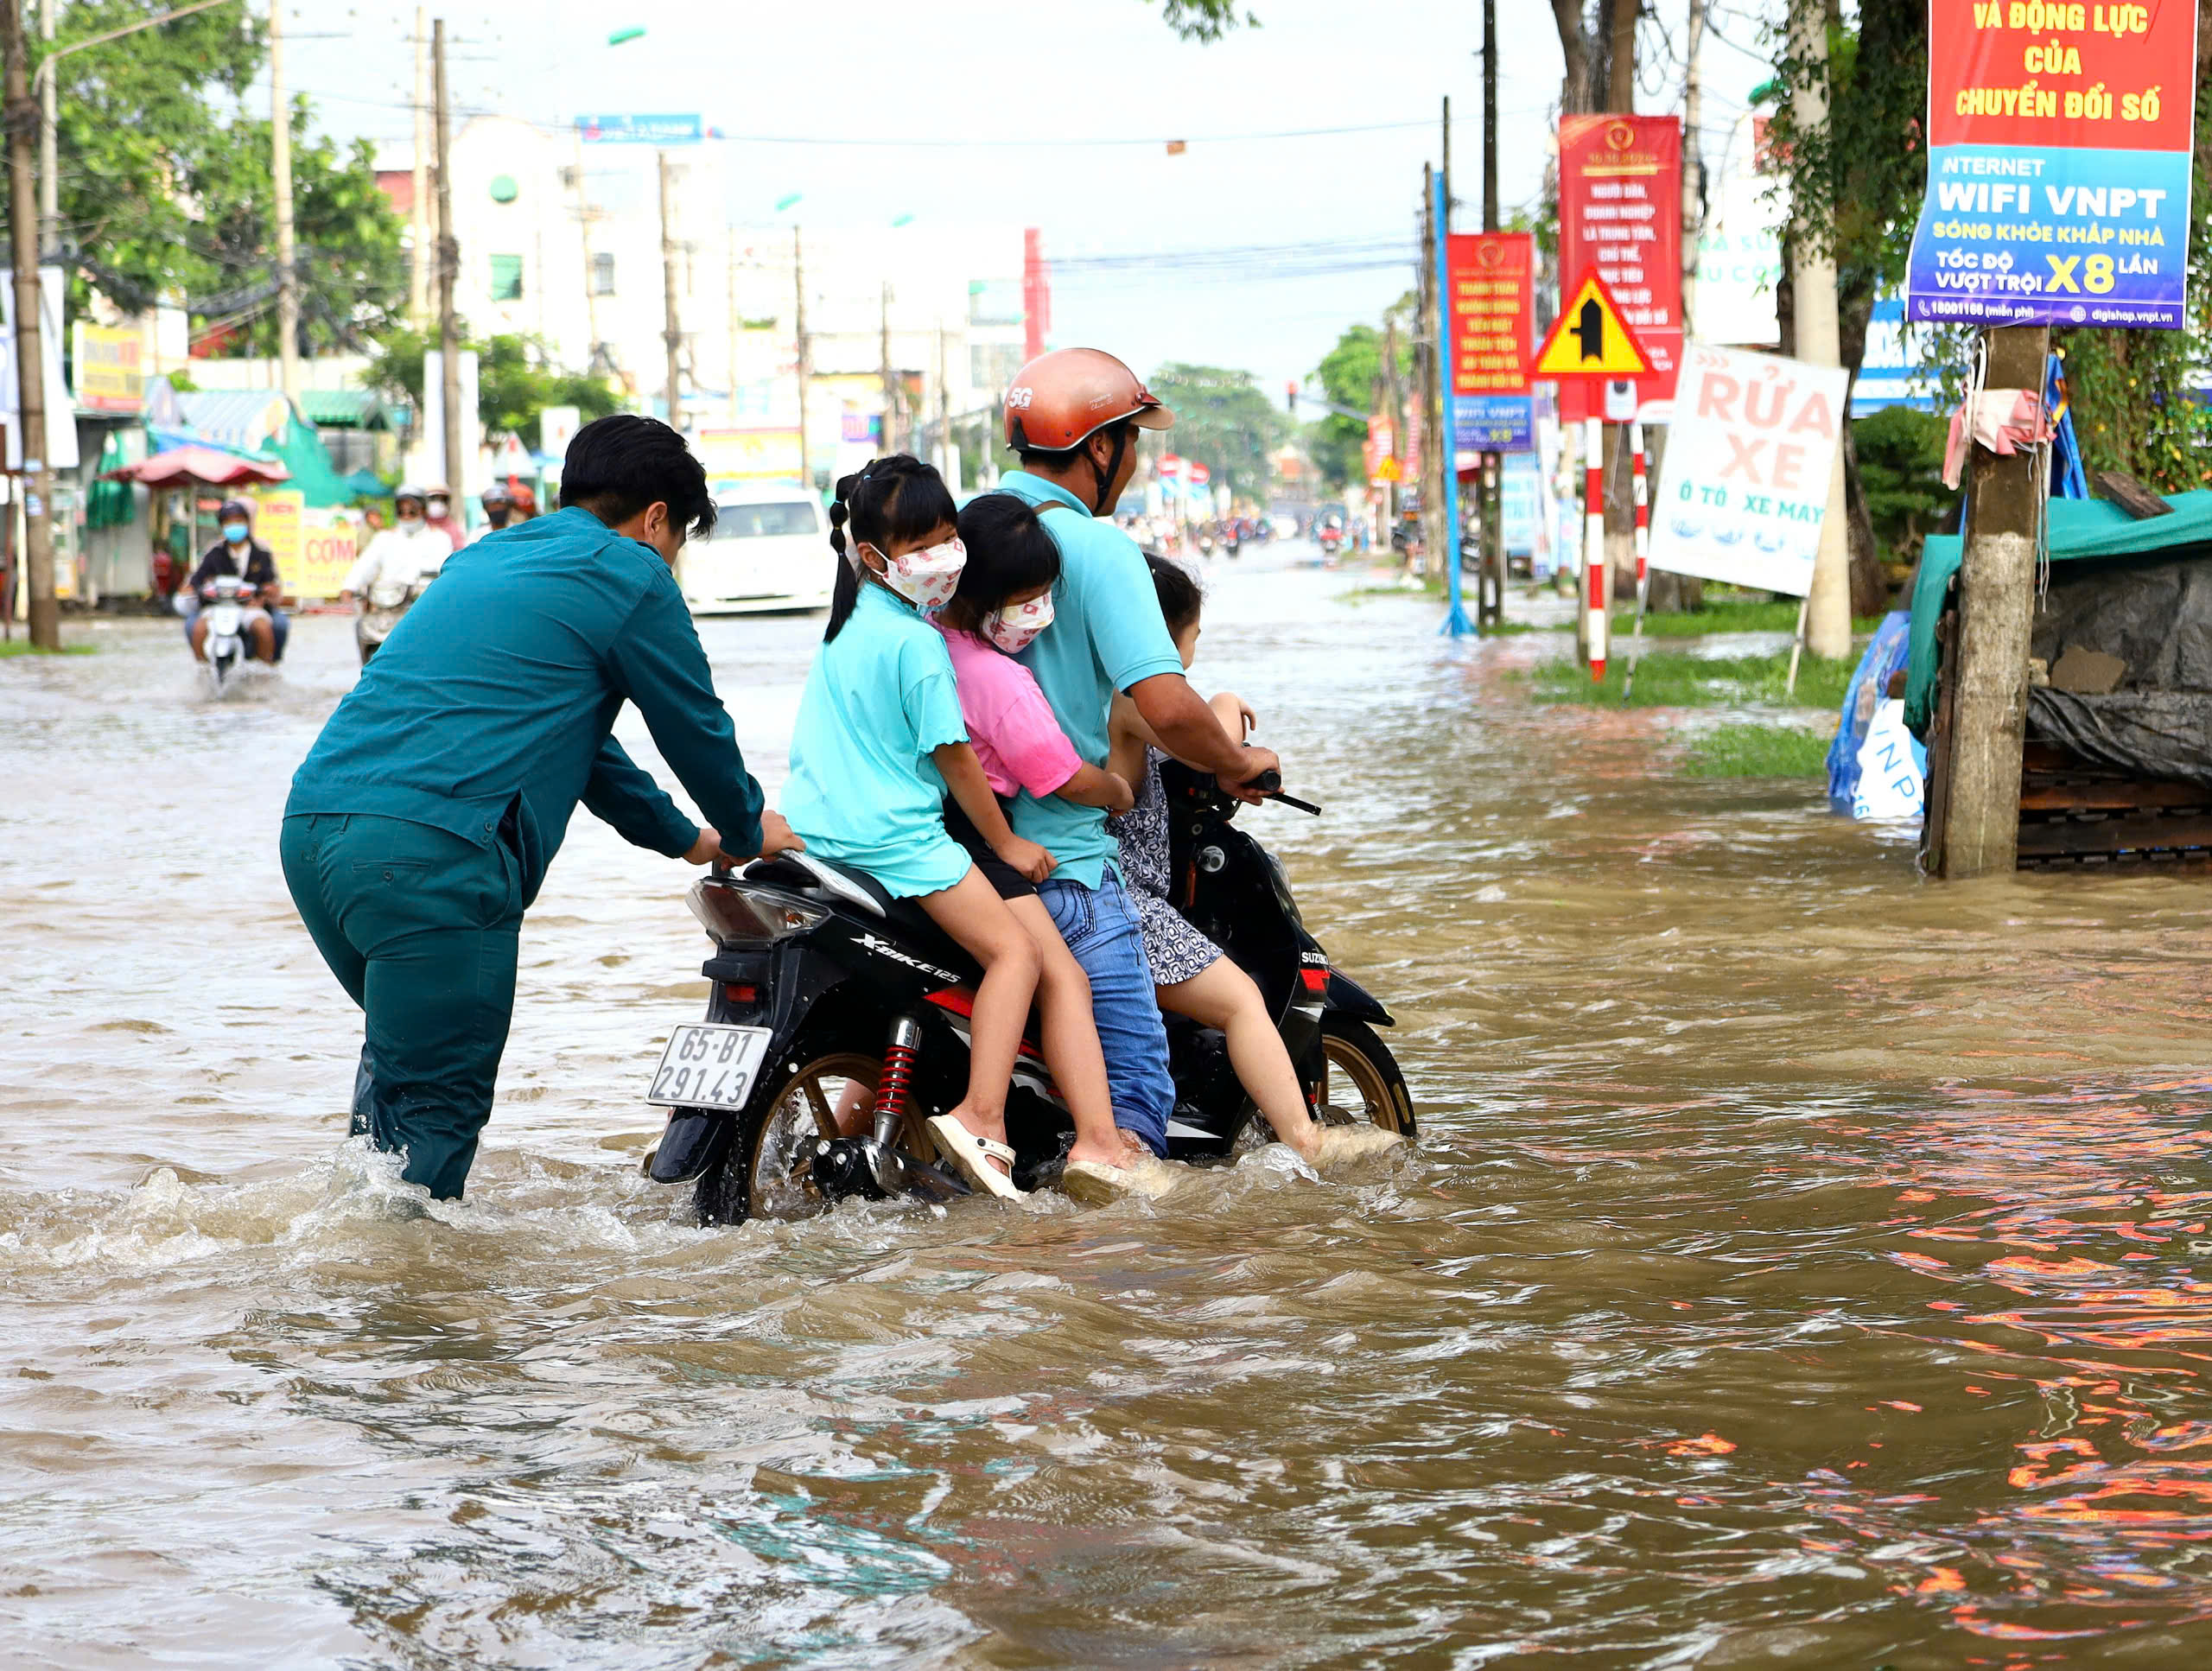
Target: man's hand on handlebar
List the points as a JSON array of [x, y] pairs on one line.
[[1244, 782], [775, 837]]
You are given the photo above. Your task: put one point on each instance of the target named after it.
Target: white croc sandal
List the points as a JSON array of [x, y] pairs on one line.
[[973, 1155]]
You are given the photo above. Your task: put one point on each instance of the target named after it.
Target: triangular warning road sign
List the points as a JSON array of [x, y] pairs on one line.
[[1590, 337]]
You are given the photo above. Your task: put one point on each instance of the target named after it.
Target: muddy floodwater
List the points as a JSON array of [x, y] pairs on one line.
[[1802, 1264]]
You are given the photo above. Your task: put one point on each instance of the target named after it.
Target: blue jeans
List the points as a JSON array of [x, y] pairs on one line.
[[1101, 928]]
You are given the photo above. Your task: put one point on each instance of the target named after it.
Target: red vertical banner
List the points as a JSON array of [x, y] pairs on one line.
[[1620, 213], [1493, 311]]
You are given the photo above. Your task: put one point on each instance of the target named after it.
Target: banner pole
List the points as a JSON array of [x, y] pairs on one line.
[[1797, 645]]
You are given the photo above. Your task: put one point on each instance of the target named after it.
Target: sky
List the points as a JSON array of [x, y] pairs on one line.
[[974, 103]]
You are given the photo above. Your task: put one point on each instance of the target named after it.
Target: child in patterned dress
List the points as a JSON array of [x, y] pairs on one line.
[[1191, 975]]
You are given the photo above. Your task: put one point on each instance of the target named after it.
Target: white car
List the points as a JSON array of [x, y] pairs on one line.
[[769, 553]]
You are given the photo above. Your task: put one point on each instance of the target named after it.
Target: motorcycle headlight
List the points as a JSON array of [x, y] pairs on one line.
[[736, 916]]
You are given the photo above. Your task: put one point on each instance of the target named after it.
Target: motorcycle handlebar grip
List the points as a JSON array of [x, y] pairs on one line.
[[1267, 782]]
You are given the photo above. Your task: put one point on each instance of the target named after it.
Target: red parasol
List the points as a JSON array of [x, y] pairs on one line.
[[199, 464]]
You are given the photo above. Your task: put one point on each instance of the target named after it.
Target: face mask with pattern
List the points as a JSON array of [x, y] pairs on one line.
[[1016, 628], [927, 577]]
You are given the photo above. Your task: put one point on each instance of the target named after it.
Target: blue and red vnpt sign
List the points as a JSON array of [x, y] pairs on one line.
[[2058, 164]]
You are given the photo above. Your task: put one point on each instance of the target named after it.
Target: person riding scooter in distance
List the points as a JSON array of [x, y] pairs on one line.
[[498, 511], [1072, 415], [238, 553], [388, 575]]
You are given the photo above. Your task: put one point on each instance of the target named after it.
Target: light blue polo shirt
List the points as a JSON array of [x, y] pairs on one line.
[[1107, 634], [863, 790]]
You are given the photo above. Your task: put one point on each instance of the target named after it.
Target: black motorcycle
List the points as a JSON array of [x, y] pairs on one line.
[[838, 1022]]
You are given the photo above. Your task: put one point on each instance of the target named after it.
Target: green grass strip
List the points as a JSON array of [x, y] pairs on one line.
[[25, 647], [1675, 678], [1757, 751]]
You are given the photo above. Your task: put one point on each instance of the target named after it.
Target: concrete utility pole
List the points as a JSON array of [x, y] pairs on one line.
[[803, 352], [1393, 392], [735, 324], [1489, 596], [454, 467], [890, 437], [50, 176], [671, 334], [288, 279], [1693, 167], [947, 466], [1978, 834], [1827, 611], [418, 261], [21, 115], [1435, 538]]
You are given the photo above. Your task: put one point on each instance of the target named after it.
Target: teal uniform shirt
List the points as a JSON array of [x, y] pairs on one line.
[[498, 691], [863, 790], [1107, 634]]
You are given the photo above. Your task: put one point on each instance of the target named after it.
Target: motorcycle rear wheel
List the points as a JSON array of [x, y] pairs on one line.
[[767, 1171], [1360, 1081]]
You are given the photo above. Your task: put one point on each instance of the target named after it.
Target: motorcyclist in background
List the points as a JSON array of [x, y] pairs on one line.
[[498, 511], [437, 513], [238, 553], [398, 563]]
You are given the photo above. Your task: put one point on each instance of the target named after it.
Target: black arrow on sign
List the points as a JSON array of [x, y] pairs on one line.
[[1589, 329]]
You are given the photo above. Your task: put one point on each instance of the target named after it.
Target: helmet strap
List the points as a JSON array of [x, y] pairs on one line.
[[1099, 507]]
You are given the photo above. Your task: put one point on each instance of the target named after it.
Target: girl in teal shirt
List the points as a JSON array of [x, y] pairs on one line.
[[879, 735]]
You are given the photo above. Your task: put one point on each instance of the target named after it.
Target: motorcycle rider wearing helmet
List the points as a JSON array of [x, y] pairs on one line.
[[437, 513], [399, 559], [498, 511], [1072, 416], [421, 825], [238, 553]]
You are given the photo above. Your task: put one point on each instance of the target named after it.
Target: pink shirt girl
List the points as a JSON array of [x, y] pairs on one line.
[[1010, 724]]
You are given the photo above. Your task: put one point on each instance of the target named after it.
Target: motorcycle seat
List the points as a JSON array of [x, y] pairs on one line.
[[826, 877]]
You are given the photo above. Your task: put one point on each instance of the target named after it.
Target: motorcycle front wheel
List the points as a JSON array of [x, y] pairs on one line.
[[1360, 1081], [768, 1169]]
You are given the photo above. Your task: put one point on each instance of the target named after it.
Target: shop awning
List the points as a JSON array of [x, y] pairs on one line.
[[204, 465]]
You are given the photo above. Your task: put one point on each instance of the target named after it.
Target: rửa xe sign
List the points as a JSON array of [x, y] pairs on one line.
[[2058, 163]]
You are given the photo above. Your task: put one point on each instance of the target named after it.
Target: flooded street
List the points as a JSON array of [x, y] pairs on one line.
[[1801, 1264]]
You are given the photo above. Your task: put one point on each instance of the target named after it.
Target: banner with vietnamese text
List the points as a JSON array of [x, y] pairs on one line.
[[1620, 213], [2058, 163]]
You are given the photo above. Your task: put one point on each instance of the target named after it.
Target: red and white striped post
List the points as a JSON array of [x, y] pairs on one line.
[[1642, 506], [1594, 540]]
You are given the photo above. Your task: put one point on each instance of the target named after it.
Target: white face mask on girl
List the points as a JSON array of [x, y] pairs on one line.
[[928, 577], [1016, 628]]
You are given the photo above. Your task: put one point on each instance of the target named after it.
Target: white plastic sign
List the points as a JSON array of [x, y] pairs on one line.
[[1745, 480], [1892, 768]]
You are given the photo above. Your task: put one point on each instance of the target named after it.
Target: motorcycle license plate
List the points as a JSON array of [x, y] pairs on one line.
[[709, 1066]]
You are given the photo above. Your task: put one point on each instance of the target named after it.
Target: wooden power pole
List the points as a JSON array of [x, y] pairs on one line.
[[1435, 538], [1976, 830], [288, 278], [453, 464], [890, 437], [23, 124], [1489, 595], [418, 258], [671, 334]]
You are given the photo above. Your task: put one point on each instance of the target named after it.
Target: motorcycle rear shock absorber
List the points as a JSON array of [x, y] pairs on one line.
[[892, 1090]]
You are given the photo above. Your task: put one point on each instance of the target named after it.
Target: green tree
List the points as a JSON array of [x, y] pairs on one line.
[[514, 380], [1347, 374], [1223, 421], [1900, 464], [1205, 19], [136, 124], [352, 272]]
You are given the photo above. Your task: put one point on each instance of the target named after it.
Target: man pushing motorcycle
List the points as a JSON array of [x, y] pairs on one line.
[[1072, 416], [421, 825]]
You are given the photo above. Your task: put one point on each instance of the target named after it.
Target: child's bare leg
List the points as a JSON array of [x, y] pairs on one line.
[[1070, 1038], [1221, 996], [971, 912]]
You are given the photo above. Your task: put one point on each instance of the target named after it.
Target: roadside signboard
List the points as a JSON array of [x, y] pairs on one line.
[[556, 427], [1590, 341], [107, 361], [1492, 312], [1746, 481], [641, 129], [749, 454], [2058, 164], [1620, 215]]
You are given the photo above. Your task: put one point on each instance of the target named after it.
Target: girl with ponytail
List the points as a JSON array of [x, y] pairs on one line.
[[879, 734]]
